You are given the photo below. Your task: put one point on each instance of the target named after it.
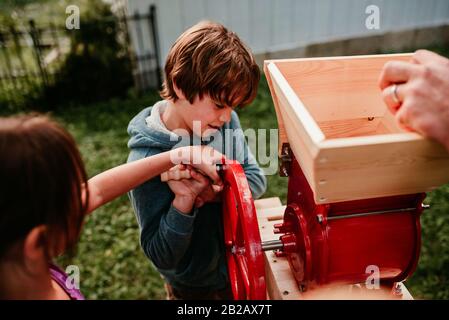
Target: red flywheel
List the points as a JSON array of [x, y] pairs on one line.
[[244, 253]]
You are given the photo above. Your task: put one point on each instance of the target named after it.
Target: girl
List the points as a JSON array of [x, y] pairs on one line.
[[45, 194]]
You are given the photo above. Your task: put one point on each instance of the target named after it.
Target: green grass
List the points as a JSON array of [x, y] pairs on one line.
[[109, 256], [111, 263]]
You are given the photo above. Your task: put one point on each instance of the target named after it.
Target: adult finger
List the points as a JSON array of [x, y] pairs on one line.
[[425, 57], [393, 97], [396, 72], [402, 118]]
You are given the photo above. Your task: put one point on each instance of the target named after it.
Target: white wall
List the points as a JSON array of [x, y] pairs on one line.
[[272, 25]]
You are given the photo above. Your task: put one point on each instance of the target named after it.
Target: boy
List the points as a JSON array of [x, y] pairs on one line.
[[209, 72]]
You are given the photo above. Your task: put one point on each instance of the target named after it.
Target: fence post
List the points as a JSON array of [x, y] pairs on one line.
[[130, 52], [153, 27], [4, 77], [18, 49], [34, 33]]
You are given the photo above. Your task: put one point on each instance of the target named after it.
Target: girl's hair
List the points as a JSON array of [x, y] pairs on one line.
[[42, 182]]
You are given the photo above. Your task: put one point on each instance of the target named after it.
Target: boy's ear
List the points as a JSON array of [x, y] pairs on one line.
[[34, 248], [179, 92]]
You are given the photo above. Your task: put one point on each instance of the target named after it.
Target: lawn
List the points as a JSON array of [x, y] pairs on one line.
[[111, 263]]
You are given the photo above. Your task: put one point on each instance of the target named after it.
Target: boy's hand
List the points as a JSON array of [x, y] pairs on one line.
[[210, 194], [187, 190]]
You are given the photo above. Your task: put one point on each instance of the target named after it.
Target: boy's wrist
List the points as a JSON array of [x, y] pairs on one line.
[[183, 204]]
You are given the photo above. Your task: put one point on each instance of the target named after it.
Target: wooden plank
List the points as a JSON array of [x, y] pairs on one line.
[[281, 284], [353, 128], [267, 203], [280, 120], [302, 131], [378, 166]]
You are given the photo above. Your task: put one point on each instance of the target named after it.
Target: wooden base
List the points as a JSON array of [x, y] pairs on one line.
[[281, 284]]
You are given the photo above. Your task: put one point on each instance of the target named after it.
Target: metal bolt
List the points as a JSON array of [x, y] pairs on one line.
[[320, 218]]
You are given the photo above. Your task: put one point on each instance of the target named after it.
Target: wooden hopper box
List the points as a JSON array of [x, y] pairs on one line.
[[331, 112]]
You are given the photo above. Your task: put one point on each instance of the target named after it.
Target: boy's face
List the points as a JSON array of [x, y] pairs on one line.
[[203, 117]]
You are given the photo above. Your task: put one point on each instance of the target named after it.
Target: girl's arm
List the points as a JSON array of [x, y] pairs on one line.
[[114, 182]]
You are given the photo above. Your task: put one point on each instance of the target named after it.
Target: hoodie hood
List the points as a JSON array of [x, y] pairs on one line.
[[147, 130]]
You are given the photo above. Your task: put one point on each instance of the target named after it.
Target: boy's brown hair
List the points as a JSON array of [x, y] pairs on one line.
[[210, 59], [43, 182]]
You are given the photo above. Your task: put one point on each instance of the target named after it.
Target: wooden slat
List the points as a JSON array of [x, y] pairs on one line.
[[280, 282], [267, 203]]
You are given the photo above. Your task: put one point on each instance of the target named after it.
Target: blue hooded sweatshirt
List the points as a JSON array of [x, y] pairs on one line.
[[188, 250]]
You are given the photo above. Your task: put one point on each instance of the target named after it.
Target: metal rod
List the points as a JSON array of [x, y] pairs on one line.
[[154, 33], [272, 245], [363, 214]]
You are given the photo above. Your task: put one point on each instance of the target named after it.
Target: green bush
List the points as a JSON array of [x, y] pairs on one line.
[[98, 65]]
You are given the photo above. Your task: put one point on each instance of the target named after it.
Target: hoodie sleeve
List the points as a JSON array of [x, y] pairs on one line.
[[165, 233], [254, 174]]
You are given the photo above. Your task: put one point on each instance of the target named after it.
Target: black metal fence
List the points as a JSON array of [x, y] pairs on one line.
[[31, 55]]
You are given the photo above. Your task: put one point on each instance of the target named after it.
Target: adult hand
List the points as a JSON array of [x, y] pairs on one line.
[[417, 92]]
